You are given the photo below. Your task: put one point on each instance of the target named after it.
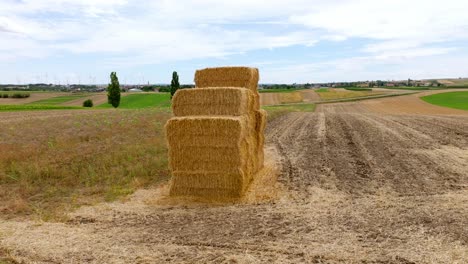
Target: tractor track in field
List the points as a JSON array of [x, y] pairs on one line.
[[360, 186]]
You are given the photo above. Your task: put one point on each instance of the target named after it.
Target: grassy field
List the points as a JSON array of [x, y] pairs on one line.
[[275, 111], [137, 101], [47, 170], [458, 100], [59, 99], [34, 107]]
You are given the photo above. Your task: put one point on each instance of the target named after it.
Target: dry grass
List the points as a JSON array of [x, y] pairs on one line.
[[333, 94], [294, 97], [49, 165]]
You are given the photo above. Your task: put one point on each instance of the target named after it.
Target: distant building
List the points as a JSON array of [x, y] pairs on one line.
[[136, 90]]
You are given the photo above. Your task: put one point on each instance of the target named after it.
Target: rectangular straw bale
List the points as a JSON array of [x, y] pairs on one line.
[[261, 117], [215, 179], [227, 77], [208, 184], [213, 101], [221, 126], [227, 158], [210, 158]]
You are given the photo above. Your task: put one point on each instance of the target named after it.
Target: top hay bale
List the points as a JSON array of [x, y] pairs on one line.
[[213, 101], [240, 77]]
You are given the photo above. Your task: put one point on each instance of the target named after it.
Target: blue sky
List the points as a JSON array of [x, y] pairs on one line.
[[298, 41]]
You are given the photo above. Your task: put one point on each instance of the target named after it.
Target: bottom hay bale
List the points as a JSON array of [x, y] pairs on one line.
[[260, 124], [209, 184], [212, 154]]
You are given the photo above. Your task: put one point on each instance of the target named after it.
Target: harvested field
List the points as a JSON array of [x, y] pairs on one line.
[[359, 184], [334, 94], [281, 98], [33, 98]]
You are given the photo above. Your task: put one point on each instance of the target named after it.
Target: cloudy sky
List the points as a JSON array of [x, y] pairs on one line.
[[82, 41]]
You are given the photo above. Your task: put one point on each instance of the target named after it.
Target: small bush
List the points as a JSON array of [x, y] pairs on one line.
[[4, 96], [88, 103]]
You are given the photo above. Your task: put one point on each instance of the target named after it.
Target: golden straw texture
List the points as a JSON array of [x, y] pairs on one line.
[[213, 101], [216, 137]]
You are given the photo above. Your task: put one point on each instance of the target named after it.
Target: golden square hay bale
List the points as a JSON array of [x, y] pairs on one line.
[[207, 145], [213, 101], [207, 158], [208, 184], [261, 117], [260, 122], [224, 126], [210, 179], [228, 77]]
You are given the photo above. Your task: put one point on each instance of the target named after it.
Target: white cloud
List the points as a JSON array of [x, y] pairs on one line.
[[142, 32]]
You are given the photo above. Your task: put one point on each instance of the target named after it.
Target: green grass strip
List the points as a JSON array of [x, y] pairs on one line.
[[59, 99], [138, 101], [12, 108]]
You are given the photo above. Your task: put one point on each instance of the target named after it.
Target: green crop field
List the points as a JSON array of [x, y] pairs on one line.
[[457, 100], [8, 108], [58, 99], [135, 101]]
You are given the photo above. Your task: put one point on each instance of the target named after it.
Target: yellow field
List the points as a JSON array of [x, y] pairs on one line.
[[334, 94]]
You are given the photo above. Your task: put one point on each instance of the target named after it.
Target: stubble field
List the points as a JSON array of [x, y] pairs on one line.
[[377, 181]]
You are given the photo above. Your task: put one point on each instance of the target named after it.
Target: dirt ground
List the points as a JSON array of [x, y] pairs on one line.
[[359, 183]]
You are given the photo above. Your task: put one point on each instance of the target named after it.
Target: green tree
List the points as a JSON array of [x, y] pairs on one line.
[[113, 91], [174, 83]]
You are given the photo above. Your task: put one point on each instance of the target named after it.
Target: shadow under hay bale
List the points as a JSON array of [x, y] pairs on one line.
[[216, 139]]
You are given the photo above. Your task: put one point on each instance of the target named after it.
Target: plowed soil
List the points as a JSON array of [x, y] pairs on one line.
[[358, 184]]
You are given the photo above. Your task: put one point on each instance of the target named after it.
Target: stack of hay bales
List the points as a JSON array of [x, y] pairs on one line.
[[216, 137]]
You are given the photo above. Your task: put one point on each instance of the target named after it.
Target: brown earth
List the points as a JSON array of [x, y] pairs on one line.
[[358, 184]]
